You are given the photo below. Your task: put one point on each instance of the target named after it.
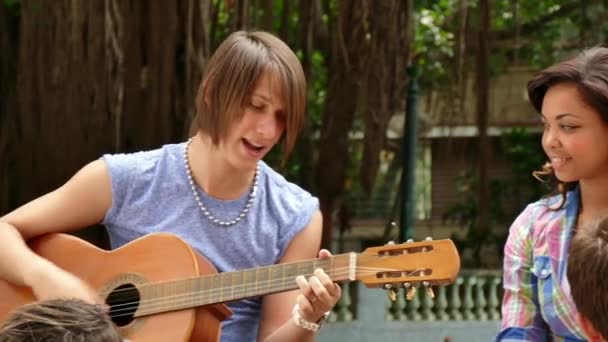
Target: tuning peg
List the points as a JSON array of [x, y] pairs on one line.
[[392, 295], [411, 292], [428, 238], [387, 253], [429, 289], [409, 240]]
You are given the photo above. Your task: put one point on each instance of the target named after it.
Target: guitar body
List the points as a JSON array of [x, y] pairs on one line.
[[153, 258]]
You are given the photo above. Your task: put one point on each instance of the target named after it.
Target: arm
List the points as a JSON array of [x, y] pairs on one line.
[[82, 201], [521, 318], [276, 323]]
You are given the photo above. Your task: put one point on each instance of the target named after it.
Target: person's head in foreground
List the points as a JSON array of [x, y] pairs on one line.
[[59, 320], [587, 270]]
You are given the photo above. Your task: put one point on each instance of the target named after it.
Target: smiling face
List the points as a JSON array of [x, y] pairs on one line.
[[260, 127], [575, 138]]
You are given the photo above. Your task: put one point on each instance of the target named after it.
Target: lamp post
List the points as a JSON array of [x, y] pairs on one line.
[[409, 140]]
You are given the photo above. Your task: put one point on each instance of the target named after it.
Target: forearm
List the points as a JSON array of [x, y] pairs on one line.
[[17, 262], [289, 332]]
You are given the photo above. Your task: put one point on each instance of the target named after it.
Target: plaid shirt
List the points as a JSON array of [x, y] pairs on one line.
[[537, 305]]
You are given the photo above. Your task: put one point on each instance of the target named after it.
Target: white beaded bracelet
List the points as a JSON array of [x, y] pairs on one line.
[[301, 322]]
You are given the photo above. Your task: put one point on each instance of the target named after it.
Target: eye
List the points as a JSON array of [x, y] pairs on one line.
[[568, 128], [256, 106]]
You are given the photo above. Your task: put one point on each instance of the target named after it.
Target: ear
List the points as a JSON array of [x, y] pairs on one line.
[[589, 330]]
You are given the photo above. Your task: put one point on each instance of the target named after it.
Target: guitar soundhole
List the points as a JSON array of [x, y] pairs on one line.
[[123, 302]]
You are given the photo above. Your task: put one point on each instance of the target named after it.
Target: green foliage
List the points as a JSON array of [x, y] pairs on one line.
[[13, 6], [580, 26], [317, 90], [464, 214], [433, 39], [523, 149], [524, 153], [437, 22]]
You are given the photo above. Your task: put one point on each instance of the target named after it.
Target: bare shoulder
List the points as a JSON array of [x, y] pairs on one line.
[[81, 201]]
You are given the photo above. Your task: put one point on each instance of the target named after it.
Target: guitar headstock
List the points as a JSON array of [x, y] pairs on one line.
[[429, 262]]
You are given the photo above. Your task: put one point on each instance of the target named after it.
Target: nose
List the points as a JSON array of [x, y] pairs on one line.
[[268, 126], [551, 138]]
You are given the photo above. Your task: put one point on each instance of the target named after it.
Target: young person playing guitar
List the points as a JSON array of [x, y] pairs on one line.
[[214, 191]]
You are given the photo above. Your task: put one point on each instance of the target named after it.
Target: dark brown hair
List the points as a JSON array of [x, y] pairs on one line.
[[589, 71], [586, 271], [231, 76], [59, 320]]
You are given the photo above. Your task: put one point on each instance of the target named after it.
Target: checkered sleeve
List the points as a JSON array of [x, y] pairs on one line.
[[521, 317]]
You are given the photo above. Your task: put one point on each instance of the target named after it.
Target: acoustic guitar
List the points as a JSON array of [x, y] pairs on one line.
[[159, 289]]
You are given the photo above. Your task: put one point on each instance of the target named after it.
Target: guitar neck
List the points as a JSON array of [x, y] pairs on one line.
[[237, 285]]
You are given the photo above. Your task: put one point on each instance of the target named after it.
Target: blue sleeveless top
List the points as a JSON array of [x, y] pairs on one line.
[[151, 193]]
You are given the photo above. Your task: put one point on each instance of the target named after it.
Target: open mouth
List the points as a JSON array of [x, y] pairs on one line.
[[252, 146]]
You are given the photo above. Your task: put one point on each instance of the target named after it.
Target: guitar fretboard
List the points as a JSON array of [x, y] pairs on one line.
[[231, 286]]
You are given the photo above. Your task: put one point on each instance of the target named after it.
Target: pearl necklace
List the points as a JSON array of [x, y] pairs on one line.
[[204, 210]]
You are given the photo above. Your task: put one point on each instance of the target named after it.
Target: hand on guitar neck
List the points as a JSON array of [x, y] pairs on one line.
[[318, 286]]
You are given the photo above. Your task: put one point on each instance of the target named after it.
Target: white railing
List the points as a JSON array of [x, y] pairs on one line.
[[475, 296]]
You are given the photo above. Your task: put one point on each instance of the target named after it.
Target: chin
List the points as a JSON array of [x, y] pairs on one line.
[[566, 178]]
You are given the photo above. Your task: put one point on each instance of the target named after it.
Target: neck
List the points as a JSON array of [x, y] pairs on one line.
[[594, 198], [212, 172]]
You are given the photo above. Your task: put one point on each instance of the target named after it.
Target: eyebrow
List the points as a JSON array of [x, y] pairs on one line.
[[263, 97], [561, 116]]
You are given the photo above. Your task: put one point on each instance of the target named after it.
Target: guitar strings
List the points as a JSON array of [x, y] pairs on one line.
[[326, 268], [155, 305], [129, 293], [186, 299], [341, 271]]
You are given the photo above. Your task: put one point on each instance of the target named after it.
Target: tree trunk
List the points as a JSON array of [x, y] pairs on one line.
[[64, 107], [9, 37], [381, 78], [339, 111], [304, 145], [95, 77], [483, 86], [460, 59], [284, 28], [60, 110], [242, 14], [268, 18]]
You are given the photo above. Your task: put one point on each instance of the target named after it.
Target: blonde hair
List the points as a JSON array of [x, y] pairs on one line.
[[231, 77], [59, 320]]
